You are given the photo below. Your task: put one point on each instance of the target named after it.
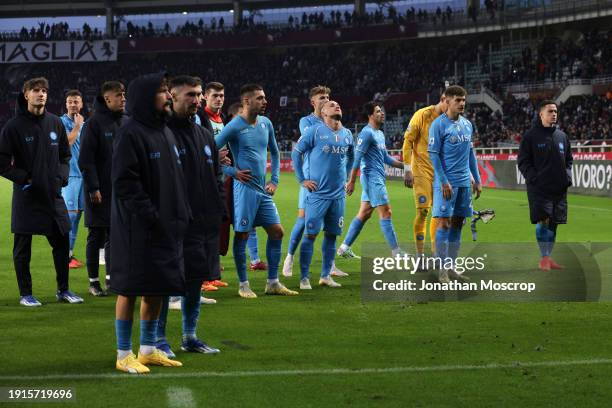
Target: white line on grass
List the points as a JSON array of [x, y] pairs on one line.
[[180, 397], [320, 371]]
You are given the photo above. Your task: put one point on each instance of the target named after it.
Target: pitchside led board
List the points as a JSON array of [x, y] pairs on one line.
[[591, 172], [58, 51]]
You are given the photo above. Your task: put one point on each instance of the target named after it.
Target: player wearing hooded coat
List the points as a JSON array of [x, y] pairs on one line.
[[149, 216]]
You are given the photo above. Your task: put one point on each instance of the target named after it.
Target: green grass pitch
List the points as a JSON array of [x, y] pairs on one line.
[[325, 347]]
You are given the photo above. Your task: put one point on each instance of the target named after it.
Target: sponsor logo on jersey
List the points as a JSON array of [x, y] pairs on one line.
[[339, 149]]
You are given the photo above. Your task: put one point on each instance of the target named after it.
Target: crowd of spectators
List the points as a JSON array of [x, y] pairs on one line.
[[253, 21], [555, 59], [53, 32], [583, 118], [359, 70]]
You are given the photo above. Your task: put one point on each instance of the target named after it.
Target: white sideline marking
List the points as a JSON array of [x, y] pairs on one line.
[[180, 397], [516, 200], [321, 371]]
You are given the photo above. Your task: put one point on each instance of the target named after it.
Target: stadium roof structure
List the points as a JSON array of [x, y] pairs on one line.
[[36, 8]]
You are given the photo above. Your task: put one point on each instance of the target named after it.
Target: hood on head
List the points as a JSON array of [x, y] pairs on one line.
[[141, 99]]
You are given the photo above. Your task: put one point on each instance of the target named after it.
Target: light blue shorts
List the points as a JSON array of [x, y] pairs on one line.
[[302, 198], [252, 209], [374, 191], [325, 213], [459, 205], [74, 195]]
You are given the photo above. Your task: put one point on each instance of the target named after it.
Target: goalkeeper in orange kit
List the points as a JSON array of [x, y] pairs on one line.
[[418, 171]]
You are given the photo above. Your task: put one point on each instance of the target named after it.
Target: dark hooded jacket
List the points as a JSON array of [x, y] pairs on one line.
[[200, 159], [95, 161], [204, 180], [545, 160], [34, 155], [149, 208]]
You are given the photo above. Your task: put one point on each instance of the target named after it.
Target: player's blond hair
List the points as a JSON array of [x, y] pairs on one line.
[[319, 90]]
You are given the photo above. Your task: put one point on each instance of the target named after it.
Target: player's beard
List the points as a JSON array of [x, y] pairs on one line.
[[165, 114], [337, 117]]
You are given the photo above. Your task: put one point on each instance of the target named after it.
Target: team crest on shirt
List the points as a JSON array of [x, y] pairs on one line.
[[326, 149], [359, 142], [453, 139], [207, 150], [53, 136], [346, 140]]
